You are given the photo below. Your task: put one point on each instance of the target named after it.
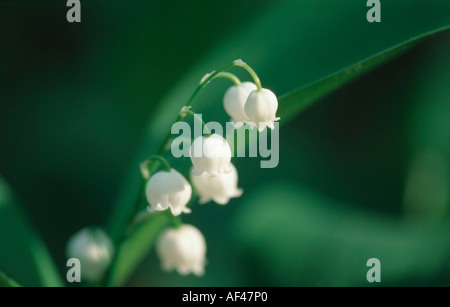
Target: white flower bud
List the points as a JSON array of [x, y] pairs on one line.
[[94, 250], [234, 102], [211, 154], [220, 188], [261, 108], [183, 249], [168, 190]]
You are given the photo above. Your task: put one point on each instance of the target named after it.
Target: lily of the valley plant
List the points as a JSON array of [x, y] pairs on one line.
[[214, 178]]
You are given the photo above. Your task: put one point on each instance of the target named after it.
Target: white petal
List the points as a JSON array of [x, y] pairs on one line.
[[204, 200], [94, 249], [183, 249], [261, 108], [237, 124], [219, 188], [235, 98], [221, 200], [168, 190], [210, 154]]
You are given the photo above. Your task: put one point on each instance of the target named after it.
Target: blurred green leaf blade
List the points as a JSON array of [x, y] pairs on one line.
[[23, 255], [6, 282], [296, 101], [134, 249], [315, 241]]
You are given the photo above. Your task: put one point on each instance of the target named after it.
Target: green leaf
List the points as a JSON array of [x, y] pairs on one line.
[[428, 179], [298, 100], [292, 44], [23, 255], [7, 282], [135, 248], [317, 241]]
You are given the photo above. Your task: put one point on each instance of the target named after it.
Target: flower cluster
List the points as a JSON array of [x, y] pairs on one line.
[[214, 178], [246, 104], [212, 175]]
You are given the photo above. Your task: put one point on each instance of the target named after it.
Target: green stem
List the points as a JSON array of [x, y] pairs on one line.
[[176, 220], [107, 280], [252, 73], [144, 165], [230, 76], [205, 80]]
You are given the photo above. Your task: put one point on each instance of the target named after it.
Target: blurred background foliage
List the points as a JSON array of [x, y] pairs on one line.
[[363, 173]]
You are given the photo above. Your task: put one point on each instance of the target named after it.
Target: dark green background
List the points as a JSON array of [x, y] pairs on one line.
[[75, 100]]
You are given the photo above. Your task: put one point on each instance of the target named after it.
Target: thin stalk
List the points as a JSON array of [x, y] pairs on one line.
[[205, 80], [252, 73], [144, 165], [229, 76], [107, 280]]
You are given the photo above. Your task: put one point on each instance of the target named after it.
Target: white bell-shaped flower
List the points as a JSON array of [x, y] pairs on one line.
[[168, 190], [261, 108], [234, 102], [211, 154], [94, 250], [219, 188], [183, 249]]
